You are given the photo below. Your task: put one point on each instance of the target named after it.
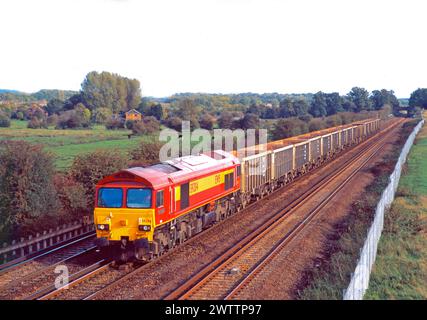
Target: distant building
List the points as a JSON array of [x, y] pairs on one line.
[[133, 115]]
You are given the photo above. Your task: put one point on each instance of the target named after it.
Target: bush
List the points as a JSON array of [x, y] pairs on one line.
[[114, 124], [27, 193], [72, 196], [289, 127], [4, 121], [207, 121], [147, 153], [88, 169], [72, 119], [53, 120], [36, 123], [225, 121], [102, 115], [174, 123], [148, 125], [316, 124], [129, 124]]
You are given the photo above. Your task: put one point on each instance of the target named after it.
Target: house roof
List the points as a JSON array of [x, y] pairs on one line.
[[134, 111]]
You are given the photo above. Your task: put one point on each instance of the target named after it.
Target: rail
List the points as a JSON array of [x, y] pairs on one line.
[[25, 248]]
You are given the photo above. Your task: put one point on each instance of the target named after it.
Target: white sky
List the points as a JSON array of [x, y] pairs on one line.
[[218, 46]]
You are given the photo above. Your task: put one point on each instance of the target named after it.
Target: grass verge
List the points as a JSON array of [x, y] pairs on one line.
[[400, 270], [331, 273]]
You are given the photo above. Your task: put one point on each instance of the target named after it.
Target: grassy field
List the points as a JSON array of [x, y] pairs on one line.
[[66, 144], [400, 270]]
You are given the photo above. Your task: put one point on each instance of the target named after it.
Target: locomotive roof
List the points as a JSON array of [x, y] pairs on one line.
[[175, 170]]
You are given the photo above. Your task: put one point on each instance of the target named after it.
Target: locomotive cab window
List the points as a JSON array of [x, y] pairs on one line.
[[110, 197], [159, 199], [138, 198]]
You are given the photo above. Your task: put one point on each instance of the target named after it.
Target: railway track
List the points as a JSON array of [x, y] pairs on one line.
[[233, 271], [20, 280]]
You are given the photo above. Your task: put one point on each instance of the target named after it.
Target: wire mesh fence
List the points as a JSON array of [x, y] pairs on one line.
[[360, 278]]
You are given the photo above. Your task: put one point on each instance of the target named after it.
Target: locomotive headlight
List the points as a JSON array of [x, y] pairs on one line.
[[144, 228], [103, 227]]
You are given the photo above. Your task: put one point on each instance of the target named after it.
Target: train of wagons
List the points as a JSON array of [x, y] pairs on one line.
[[143, 212]]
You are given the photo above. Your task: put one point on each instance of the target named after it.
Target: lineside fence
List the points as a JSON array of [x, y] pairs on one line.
[[21, 249], [360, 278]]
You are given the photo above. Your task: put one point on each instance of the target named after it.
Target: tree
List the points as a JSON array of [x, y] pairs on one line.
[[360, 98], [187, 110], [88, 169], [73, 101], [54, 106], [225, 121], [148, 125], [83, 113], [207, 121], [102, 115], [300, 107], [379, 98], [157, 111], [110, 91], [286, 108], [334, 103], [418, 98], [26, 189], [318, 105], [249, 121]]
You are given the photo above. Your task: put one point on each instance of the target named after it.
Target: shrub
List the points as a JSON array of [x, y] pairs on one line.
[[36, 123], [207, 121], [102, 115], [27, 193], [4, 121], [114, 124], [129, 124], [225, 121], [147, 153], [316, 124], [73, 119], [53, 120], [72, 195], [174, 123], [289, 127], [88, 169], [148, 125]]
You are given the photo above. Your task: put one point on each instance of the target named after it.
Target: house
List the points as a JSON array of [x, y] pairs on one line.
[[133, 115]]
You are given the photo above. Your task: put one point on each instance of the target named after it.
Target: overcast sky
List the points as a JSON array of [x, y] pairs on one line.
[[218, 46]]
